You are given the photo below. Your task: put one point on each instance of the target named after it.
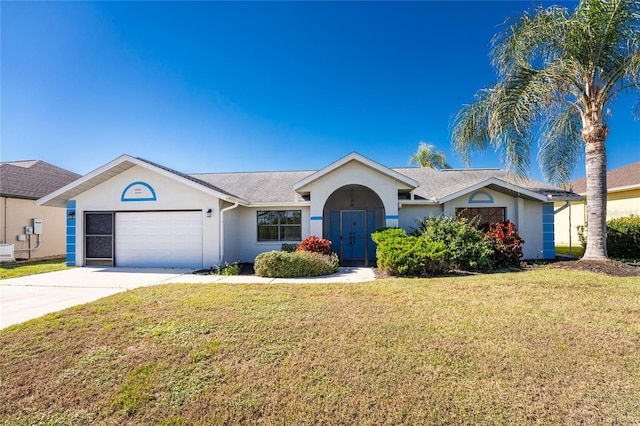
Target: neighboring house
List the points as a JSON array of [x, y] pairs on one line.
[[623, 199], [132, 212], [34, 231]]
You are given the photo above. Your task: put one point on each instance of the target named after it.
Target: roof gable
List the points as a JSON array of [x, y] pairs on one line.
[[32, 179], [119, 165], [355, 157], [446, 184]]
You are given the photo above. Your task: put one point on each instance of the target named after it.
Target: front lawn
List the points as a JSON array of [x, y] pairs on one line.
[[16, 270], [542, 346], [576, 251]]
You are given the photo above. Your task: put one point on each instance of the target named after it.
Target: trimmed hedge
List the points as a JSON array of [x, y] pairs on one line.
[[403, 255], [280, 264], [623, 237]]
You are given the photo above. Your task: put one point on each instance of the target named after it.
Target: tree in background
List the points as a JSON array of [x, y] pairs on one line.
[[558, 73], [429, 156]]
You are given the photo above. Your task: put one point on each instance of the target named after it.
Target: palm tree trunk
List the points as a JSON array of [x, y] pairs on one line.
[[596, 169]]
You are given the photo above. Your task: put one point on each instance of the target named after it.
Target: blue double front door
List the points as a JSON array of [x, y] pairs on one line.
[[351, 235]]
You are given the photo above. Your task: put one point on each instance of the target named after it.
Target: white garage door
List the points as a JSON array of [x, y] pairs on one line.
[[159, 239]]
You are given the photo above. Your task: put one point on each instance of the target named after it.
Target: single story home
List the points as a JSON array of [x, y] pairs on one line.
[[30, 231], [623, 199], [133, 212]]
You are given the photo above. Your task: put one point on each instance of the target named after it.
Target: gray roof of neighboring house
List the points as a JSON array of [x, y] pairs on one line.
[[269, 187], [621, 177], [32, 179]]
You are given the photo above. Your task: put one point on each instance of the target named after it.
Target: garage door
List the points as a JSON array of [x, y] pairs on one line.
[[159, 239]]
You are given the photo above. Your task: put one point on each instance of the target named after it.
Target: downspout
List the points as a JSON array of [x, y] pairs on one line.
[[221, 230]]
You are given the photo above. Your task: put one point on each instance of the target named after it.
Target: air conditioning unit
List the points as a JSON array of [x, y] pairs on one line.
[[6, 253]]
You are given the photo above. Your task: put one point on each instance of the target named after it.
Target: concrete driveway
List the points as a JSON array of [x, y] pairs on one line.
[[30, 297]]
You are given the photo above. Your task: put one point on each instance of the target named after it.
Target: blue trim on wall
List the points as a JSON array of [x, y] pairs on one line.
[[124, 198], [391, 216], [548, 231], [316, 218], [487, 200], [71, 233]]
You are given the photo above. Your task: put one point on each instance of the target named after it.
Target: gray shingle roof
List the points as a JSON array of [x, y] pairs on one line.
[[192, 178], [440, 183], [258, 187], [271, 187], [32, 179]]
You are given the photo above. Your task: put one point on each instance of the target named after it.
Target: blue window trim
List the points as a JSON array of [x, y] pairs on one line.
[[472, 198], [153, 193]]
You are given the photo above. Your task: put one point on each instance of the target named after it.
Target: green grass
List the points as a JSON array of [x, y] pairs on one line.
[[544, 346], [23, 269], [576, 251]]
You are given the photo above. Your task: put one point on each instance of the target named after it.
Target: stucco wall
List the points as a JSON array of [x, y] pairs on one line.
[[619, 204], [18, 213], [170, 195], [241, 233], [410, 214]]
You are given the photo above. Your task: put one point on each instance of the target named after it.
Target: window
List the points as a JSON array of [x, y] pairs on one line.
[[482, 214], [279, 225]]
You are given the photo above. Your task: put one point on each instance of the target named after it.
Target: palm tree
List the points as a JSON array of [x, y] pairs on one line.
[[558, 73], [429, 156]]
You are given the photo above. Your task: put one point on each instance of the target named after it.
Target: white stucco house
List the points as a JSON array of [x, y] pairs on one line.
[[132, 212]]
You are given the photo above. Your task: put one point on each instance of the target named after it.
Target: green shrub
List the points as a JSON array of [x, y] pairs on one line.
[[623, 237], [226, 269], [470, 248], [582, 235], [280, 264], [289, 247], [403, 255]]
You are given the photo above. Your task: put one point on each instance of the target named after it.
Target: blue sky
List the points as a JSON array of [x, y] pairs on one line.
[[244, 86]]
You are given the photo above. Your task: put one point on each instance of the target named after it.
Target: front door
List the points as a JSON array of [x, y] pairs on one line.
[[353, 227]]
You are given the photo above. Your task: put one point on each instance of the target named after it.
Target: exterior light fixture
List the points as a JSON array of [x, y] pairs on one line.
[[71, 215], [209, 212]]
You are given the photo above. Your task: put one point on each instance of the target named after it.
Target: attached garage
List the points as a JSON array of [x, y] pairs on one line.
[[158, 239], [144, 239]]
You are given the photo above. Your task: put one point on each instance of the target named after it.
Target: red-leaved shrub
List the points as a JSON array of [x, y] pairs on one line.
[[316, 245], [506, 244]]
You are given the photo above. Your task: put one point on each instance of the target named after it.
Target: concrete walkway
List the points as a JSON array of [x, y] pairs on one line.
[[32, 296]]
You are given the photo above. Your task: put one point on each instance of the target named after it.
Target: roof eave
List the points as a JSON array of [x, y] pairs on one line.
[[520, 191], [125, 162], [354, 156]]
